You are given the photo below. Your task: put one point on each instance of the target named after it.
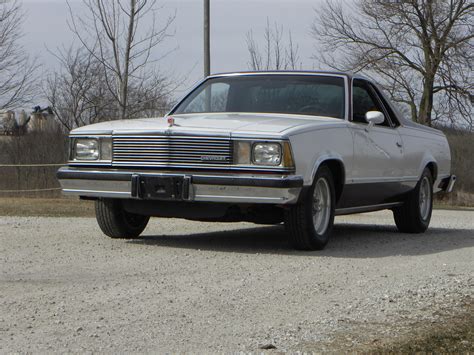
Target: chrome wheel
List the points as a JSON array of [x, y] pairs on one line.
[[321, 206], [425, 198]]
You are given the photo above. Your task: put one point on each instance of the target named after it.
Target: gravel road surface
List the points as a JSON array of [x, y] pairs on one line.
[[188, 286]]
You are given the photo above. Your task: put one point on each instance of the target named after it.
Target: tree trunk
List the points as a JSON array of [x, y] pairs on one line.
[[426, 103], [414, 113]]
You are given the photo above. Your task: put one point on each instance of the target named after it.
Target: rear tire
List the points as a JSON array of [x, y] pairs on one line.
[[309, 223], [117, 223], [415, 214]]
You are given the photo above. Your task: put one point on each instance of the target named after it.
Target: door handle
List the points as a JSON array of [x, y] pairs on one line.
[[399, 145]]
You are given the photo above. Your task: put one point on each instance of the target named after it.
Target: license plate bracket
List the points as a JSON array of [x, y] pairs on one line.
[[165, 188]]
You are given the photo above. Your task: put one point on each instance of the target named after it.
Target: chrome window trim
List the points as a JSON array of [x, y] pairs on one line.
[[371, 87], [278, 73]]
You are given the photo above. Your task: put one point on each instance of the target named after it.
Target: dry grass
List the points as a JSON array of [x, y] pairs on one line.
[[455, 198], [454, 335], [46, 207]]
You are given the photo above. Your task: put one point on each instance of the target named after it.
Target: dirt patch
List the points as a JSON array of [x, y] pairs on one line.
[[454, 334], [456, 338], [43, 207], [451, 333]]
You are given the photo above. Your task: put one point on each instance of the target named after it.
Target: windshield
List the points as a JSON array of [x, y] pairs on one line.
[[293, 94]]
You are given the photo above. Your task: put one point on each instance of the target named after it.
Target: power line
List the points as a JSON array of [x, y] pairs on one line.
[[207, 38]]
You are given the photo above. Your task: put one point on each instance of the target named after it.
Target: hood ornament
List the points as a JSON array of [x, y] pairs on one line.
[[171, 122]]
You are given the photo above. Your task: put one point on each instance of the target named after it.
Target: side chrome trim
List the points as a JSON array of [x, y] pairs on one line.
[[383, 180], [363, 209]]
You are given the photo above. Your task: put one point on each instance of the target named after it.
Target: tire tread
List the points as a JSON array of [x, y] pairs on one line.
[[111, 219], [298, 219], [407, 217]]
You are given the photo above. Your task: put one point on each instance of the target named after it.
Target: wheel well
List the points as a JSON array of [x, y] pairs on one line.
[[433, 169], [338, 173]]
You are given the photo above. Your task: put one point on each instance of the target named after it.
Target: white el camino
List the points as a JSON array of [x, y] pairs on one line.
[[264, 147]]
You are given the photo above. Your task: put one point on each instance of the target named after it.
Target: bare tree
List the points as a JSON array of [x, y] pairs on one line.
[[17, 82], [421, 50], [113, 34], [78, 94], [76, 90], [278, 54]]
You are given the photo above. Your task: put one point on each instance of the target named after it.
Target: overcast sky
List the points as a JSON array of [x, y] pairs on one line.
[[46, 27]]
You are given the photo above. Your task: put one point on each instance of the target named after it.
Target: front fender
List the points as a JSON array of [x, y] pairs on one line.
[[311, 149], [329, 156]]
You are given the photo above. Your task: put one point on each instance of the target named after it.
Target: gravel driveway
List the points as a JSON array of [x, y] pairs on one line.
[[188, 286]]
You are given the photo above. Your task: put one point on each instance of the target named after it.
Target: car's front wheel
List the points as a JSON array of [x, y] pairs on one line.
[[415, 214], [309, 223], [116, 222]]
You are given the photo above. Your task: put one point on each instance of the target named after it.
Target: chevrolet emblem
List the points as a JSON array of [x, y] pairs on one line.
[[213, 158]]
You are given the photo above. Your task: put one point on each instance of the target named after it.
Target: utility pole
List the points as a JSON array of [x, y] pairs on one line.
[[207, 44]]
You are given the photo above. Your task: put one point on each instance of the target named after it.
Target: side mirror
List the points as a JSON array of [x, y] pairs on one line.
[[374, 117]]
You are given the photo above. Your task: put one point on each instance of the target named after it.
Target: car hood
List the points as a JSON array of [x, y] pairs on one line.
[[210, 123]]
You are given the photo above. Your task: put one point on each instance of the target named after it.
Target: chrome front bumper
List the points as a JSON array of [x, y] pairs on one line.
[[270, 189]]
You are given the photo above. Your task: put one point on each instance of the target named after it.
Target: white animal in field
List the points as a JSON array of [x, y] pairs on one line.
[[41, 120], [23, 122], [7, 121]]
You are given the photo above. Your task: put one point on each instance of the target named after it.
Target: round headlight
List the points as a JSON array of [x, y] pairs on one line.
[[267, 154]]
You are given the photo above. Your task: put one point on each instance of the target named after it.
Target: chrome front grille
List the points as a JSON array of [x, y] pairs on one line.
[[174, 151]]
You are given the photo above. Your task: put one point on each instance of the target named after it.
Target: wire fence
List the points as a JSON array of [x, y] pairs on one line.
[[29, 191], [46, 177], [27, 165]]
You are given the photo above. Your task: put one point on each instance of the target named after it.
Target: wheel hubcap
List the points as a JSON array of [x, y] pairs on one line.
[[425, 198], [321, 206]]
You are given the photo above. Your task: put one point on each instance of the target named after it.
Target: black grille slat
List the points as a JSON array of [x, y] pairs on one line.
[[172, 151]]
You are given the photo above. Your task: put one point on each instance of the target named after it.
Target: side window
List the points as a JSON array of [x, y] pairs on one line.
[[211, 99], [364, 100], [388, 109]]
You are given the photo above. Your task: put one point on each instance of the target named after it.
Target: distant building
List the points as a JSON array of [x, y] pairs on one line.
[[8, 124], [22, 123]]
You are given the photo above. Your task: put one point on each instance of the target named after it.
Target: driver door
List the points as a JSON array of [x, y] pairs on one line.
[[378, 149]]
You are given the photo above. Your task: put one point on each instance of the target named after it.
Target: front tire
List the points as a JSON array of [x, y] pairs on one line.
[[309, 224], [116, 222], [415, 214]]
